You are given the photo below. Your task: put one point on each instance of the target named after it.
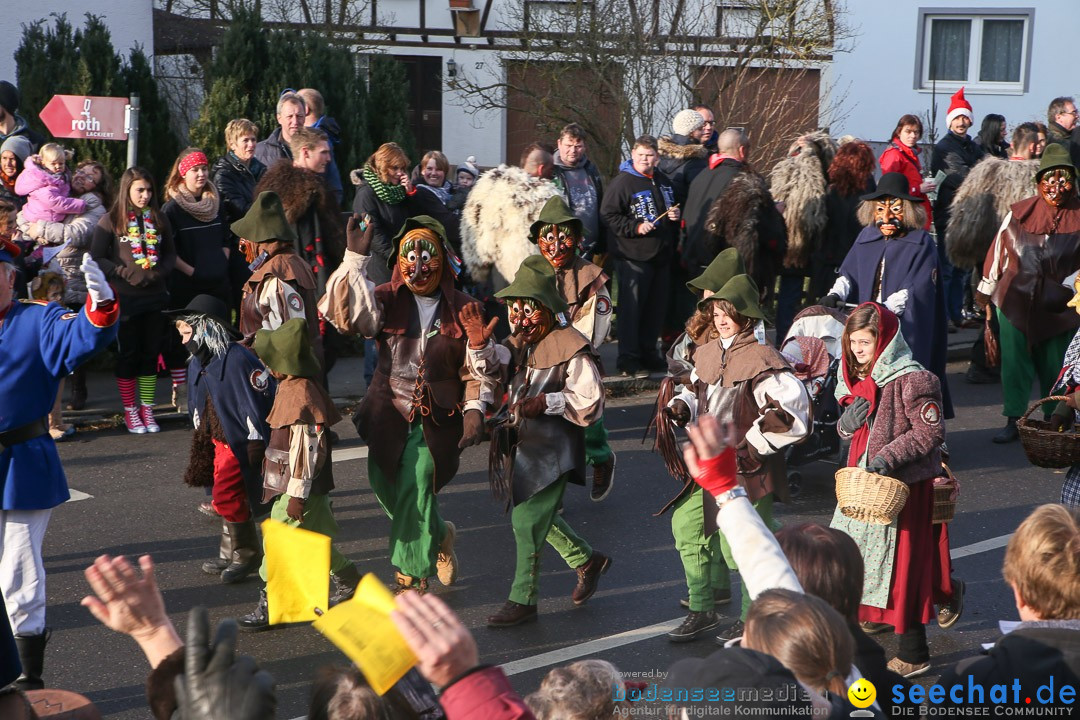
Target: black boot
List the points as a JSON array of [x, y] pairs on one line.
[[258, 619], [246, 552], [345, 582], [32, 656], [78, 389], [1009, 433], [225, 553]]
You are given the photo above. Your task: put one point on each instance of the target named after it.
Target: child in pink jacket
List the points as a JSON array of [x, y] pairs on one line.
[[44, 181]]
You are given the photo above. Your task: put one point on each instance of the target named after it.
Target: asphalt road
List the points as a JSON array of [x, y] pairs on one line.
[[138, 504]]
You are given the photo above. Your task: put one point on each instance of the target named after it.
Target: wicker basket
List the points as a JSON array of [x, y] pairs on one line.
[[1044, 446], [869, 497], [944, 504]]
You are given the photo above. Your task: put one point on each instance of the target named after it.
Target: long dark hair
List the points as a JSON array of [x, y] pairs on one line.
[[903, 122], [118, 214], [990, 133], [851, 168]]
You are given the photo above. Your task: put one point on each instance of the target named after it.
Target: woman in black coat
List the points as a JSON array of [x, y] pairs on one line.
[[851, 174]]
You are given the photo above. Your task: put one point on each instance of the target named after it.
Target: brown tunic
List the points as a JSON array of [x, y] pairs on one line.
[[286, 266]]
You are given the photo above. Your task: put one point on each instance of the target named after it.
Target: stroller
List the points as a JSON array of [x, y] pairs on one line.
[[812, 346]]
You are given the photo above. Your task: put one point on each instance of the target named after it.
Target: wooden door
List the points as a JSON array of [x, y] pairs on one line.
[[425, 101]]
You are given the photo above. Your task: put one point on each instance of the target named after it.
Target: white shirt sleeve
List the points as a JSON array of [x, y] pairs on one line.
[[788, 392], [582, 399], [349, 303]]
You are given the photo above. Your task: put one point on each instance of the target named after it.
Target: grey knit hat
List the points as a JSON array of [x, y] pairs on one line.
[[686, 122], [19, 145]]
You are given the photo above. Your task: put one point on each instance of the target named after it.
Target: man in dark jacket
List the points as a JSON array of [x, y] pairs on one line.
[[291, 111], [955, 155], [579, 182], [11, 122], [710, 184], [1039, 661], [1062, 126], [317, 118], [682, 156], [644, 226]]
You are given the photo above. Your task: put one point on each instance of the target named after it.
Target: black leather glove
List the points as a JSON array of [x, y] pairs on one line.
[[830, 301], [217, 683], [854, 416], [878, 465], [472, 430], [678, 412]]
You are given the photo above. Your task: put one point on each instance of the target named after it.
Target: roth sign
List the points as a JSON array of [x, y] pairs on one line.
[[85, 117]]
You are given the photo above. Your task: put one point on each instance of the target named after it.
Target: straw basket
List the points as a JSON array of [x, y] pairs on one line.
[[869, 497], [1044, 446], [944, 505]]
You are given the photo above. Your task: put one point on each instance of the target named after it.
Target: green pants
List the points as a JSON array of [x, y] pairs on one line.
[[1020, 365], [318, 517], [597, 450], [535, 521], [702, 559], [764, 509], [408, 499]]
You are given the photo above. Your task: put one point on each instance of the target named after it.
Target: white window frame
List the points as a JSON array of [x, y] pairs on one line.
[[972, 85]]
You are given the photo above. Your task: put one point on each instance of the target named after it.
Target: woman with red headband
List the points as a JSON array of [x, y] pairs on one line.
[[202, 251], [892, 414]]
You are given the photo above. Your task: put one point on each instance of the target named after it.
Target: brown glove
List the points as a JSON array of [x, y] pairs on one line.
[[532, 407], [471, 318], [473, 430], [747, 459], [358, 234], [678, 412], [295, 510]]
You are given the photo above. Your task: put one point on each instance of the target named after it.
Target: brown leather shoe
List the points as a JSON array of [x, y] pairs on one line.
[[588, 577], [512, 614], [602, 477], [404, 583], [446, 566]]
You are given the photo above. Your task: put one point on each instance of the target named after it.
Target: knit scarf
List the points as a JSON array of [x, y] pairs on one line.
[[892, 359], [8, 181], [204, 209], [389, 194]]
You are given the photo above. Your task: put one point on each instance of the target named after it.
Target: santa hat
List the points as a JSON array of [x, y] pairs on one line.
[[959, 106]]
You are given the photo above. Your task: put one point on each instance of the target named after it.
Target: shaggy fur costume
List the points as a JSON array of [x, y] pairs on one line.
[[800, 181], [745, 218], [668, 148], [981, 204], [502, 205], [299, 189]]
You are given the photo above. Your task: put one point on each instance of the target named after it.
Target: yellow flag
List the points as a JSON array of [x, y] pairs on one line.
[[363, 630], [298, 572]]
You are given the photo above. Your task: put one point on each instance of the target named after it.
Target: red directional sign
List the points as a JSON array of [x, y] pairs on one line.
[[85, 117]]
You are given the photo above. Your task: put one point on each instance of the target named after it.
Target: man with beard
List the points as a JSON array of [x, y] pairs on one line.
[[555, 393], [423, 406], [231, 395], [1028, 276], [582, 285], [895, 262]]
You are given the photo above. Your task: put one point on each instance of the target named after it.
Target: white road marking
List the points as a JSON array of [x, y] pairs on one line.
[[980, 547], [353, 453], [77, 495]]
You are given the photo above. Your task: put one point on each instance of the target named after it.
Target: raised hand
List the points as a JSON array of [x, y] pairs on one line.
[[471, 318], [358, 234], [96, 284]]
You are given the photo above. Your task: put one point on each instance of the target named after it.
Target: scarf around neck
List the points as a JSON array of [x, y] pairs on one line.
[[390, 194], [204, 209], [892, 359]]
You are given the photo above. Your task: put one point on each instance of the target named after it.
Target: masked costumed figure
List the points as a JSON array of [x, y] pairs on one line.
[[298, 471], [42, 343], [744, 382], [892, 413], [555, 392], [981, 203], [1067, 413], [423, 406], [1028, 274], [895, 262], [231, 393], [558, 233], [281, 286]]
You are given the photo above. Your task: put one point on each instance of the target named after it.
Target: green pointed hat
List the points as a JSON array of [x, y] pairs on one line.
[[265, 221], [287, 350], [724, 266], [555, 212], [536, 279], [1055, 156], [742, 292], [426, 221]]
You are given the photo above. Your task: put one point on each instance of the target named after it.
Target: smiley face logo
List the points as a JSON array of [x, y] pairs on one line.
[[862, 693]]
